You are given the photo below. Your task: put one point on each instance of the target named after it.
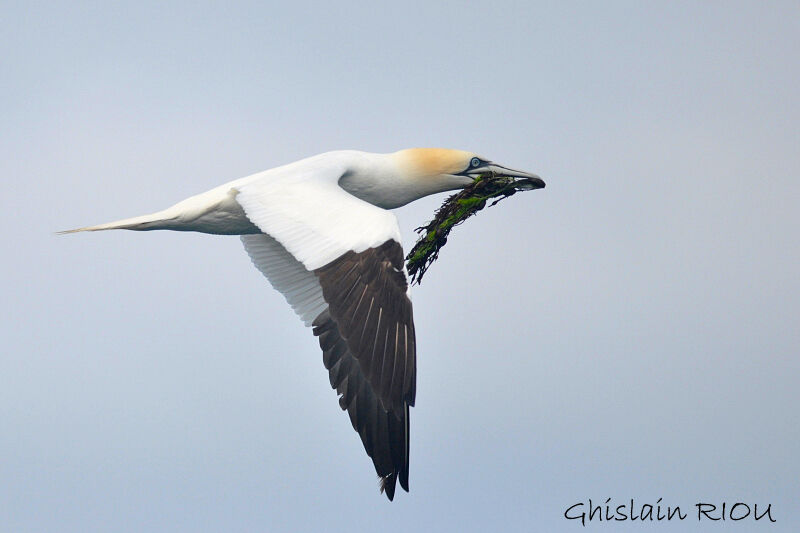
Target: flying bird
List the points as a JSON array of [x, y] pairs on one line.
[[321, 232]]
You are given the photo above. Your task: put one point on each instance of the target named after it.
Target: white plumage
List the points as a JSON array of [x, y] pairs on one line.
[[303, 207], [287, 275]]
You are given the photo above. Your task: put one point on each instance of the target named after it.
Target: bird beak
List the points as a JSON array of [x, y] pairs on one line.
[[532, 180]]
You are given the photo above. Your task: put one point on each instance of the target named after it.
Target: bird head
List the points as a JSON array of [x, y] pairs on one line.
[[441, 169]]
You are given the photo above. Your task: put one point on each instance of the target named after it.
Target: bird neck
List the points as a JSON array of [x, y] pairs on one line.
[[383, 180]]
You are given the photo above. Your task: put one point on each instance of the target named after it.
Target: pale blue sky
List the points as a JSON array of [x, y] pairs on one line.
[[630, 331]]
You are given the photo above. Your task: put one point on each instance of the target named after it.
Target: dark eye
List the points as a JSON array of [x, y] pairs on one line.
[[475, 162]]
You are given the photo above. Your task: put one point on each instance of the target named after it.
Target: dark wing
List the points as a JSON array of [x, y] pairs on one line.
[[369, 348], [363, 318]]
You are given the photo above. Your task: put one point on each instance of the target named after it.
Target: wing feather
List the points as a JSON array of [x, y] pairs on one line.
[[338, 262]]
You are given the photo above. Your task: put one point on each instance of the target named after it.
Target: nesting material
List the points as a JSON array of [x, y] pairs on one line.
[[455, 210]]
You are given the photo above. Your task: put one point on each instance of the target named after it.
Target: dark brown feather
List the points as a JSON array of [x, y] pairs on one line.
[[369, 348]]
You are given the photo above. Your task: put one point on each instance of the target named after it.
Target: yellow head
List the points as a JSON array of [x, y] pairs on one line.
[[392, 180], [432, 162], [451, 168]]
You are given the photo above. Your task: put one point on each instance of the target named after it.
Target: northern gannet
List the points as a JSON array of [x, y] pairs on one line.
[[319, 229]]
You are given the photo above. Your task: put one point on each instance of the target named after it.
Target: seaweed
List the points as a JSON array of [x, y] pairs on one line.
[[455, 210]]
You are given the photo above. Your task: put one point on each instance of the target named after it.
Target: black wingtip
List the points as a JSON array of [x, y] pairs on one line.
[[404, 479], [388, 485]]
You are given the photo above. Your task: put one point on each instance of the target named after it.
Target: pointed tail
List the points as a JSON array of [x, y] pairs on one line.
[[152, 221]]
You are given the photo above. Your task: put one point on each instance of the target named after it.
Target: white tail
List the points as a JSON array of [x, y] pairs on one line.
[[215, 211], [158, 220]]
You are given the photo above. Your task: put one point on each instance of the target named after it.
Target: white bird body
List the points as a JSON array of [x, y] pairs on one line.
[[320, 231], [379, 179]]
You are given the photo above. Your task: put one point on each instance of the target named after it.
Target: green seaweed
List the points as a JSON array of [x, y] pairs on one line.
[[455, 210]]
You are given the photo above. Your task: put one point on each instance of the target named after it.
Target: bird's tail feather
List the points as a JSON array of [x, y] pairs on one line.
[[152, 221]]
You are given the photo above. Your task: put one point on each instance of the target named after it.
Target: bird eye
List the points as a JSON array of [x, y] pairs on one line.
[[475, 162]]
